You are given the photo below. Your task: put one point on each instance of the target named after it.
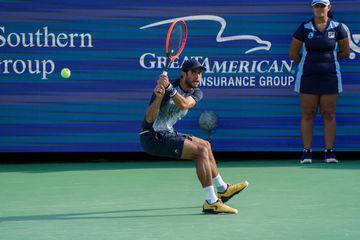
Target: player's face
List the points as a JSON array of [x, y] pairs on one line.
[[193, 78], [320, 10]]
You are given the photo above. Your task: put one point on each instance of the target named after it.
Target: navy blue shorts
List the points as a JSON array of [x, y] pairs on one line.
[[163, 144]]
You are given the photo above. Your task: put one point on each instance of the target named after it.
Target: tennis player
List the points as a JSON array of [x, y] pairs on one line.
[[318, 81], [169, 103]]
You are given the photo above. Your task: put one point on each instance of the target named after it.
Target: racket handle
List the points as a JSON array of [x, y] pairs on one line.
[[165, 73]]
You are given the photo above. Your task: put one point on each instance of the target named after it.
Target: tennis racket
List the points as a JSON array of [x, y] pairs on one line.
[[175, 42]]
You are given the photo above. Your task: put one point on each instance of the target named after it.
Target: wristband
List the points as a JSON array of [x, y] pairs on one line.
[[171, 90]]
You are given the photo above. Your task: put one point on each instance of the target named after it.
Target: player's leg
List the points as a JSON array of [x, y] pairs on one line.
[[217, 179], [309, 104], [199, 153], [178, 146], [328, 109], [225, 191], [207, 145]]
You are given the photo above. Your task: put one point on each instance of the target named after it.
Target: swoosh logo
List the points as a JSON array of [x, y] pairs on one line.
[[219, 37], [214, 207]]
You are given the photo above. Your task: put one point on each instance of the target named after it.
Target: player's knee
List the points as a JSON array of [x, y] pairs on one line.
[[207, 144], [202, 152]]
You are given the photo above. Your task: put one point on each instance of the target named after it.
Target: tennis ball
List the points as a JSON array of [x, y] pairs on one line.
[[65, 73], [208, 120]]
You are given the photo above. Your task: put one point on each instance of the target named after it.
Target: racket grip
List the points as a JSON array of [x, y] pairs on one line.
[[165, 73]]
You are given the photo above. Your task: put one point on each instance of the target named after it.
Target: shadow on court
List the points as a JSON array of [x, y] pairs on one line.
[[105, 215], [64, 167], [176, 164]]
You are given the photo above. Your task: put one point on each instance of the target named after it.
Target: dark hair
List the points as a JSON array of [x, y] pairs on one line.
[[330, 14]]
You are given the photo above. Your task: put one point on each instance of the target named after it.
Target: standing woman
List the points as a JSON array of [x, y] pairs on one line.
[[318, 81]]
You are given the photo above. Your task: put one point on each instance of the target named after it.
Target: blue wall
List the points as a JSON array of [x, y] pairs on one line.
[[100, 108]]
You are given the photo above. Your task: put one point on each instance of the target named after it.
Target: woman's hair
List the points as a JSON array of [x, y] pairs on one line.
[[330, 14]]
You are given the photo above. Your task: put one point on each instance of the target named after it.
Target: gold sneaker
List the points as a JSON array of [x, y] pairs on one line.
[[232, 190], [218, 207]]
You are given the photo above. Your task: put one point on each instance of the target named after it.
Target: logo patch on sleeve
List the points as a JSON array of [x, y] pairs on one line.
[[331, 34]]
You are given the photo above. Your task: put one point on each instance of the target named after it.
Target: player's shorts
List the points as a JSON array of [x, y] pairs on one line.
[[163, 144]]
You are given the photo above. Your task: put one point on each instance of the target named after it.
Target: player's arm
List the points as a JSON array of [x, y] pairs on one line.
[[184, 102], [152, 112], [295, 49], [180, 101], [344, 48]]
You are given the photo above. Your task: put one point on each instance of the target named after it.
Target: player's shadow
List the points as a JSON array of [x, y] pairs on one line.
[[68, 167], [94, 166], [118, 214]]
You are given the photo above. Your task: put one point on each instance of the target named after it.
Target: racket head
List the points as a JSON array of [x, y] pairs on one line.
[[176, 39]]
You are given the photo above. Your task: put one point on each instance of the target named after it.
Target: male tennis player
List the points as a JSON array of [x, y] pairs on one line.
[[169, 103]]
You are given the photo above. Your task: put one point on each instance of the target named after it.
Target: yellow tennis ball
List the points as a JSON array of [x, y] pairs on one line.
[[65, 73]]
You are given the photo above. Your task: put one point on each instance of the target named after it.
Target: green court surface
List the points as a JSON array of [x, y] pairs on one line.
[[162, 200]]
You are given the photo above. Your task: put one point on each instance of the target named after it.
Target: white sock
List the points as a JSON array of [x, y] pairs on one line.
[[220, 184], [210, 195]]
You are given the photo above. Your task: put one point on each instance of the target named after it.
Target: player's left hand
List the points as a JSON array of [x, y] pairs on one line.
[[164, 81], [159, 90]]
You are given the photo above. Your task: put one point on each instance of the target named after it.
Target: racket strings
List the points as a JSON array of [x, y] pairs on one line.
[[176, 39]]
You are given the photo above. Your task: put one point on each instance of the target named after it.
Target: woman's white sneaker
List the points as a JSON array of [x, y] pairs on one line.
[[330, 156], [306, 157]]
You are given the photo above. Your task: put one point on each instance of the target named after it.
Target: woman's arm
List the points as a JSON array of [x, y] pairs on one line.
[[295, 49], [344, 48]]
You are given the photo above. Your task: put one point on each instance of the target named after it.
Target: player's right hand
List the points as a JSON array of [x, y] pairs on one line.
[[159, 90]]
